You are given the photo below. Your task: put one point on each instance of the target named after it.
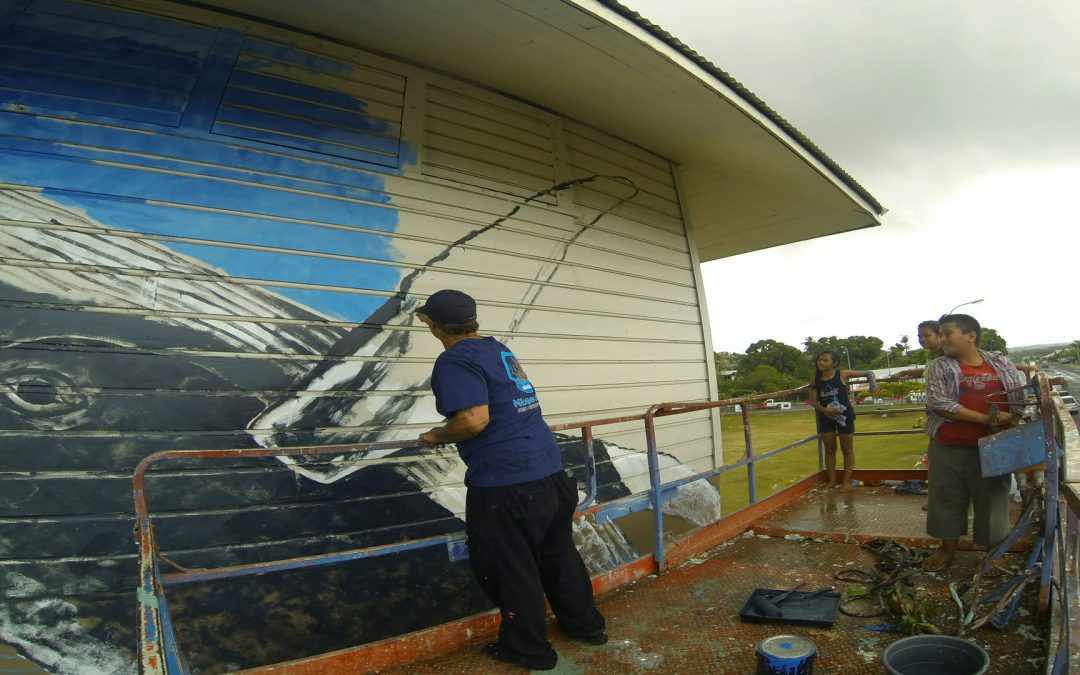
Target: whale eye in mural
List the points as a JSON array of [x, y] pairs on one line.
[[38, 392], [93, 385]]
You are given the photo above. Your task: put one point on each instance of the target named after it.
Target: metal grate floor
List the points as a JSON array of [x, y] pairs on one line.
[[868, 513], [686, 621]]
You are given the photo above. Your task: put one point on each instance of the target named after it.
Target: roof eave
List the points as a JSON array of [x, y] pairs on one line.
[[749, 179]]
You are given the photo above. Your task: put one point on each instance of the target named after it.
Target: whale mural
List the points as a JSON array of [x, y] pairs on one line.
[[212, 235], [53, 371]]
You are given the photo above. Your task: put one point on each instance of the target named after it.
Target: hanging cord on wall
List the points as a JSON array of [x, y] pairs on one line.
[[534, 290], [394, 305], [406, 283]]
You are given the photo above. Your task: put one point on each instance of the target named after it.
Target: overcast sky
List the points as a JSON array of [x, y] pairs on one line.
[[961, 117]]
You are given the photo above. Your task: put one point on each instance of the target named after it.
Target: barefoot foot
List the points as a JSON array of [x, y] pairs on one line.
[[941, 558]]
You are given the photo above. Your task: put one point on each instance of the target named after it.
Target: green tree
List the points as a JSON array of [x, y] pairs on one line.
[[1067, 353], [918, 356], [760, 380], [864, 350], [783, 357], [894, 356], [726, 360], [992, 342], [766, 378], [733, 389], [896, 390], [812, 347]]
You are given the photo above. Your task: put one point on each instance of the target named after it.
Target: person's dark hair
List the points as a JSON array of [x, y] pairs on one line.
[[932, 325], [458, 328], [965, 323], [835, 357]]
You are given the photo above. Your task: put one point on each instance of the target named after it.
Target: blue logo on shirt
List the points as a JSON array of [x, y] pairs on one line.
[[516, 373]]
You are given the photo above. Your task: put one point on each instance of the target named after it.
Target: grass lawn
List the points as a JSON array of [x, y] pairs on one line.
[[772, 430]]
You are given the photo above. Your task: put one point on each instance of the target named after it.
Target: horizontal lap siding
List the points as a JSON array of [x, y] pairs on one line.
[[163, 284], [93, 60], [480, 140], [641, 214], [284, 96], [172, 287]]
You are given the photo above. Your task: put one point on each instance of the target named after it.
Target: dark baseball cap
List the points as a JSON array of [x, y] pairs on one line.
[[449, 306]]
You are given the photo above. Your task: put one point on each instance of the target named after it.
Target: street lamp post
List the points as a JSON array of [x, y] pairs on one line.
[[970, 302], [848, 356]]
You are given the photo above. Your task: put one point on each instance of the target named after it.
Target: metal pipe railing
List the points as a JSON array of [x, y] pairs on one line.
[[159, 652], [1061, 432]]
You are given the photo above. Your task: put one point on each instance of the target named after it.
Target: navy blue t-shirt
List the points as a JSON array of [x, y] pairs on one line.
[[516, 446]]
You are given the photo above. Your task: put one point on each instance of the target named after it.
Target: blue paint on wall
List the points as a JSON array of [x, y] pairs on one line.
[[260, 101], [283, 267], [300, 58], [287, 127], [10, 11], [90, 59], [65, 174], [256, 81], [157, 219], [267, 99], [205, 155]]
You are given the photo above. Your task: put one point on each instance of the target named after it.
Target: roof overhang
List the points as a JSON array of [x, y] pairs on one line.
[[749, 179]]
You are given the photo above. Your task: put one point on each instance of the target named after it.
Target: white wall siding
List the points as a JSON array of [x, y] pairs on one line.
[[472, 137]]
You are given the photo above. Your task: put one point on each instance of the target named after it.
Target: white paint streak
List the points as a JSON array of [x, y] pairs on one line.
[[98, 247], [48, 631]]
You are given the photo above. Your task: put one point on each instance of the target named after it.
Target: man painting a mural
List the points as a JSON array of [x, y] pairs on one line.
[[520, 502]]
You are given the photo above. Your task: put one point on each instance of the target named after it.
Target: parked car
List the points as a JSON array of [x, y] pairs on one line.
[[1070, 404], [774, 405]]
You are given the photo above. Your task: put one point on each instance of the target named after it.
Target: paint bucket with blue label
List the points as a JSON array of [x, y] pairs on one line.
[[786, 655]]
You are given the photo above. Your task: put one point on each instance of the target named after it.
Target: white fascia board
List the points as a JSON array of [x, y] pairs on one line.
[[730, 95]]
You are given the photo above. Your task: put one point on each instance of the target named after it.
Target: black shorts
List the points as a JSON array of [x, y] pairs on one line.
[[826, 424]]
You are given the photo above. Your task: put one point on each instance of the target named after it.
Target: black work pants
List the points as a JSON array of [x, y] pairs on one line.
[[521, 549]]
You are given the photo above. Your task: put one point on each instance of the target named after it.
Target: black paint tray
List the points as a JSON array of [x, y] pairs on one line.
[[819, 610]]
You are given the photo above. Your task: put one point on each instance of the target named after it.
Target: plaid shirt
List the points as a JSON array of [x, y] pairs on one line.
[[943, 386]]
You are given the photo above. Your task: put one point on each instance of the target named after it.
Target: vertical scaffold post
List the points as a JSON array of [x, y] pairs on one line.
[[751, 475]]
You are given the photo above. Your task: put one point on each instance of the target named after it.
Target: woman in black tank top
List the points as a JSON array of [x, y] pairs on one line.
[[835, 414]]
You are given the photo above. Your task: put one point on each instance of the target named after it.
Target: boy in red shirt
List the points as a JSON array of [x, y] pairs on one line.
[[960, 388]]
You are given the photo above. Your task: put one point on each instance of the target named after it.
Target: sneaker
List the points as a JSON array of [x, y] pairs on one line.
[[508, 655]]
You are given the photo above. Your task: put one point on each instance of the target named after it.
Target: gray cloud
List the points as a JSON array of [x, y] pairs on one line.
[[960, 117], [875, 83]]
